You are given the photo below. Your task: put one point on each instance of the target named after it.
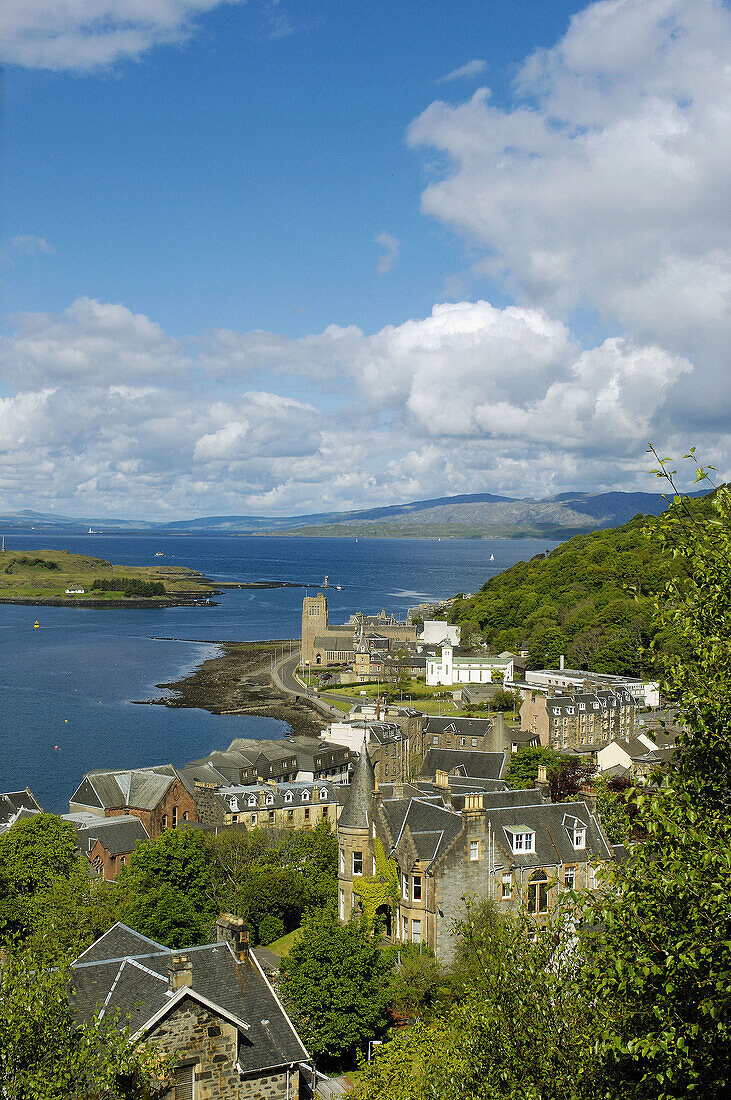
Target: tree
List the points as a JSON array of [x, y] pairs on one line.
[[523, 768], [518, 1026], [417, 983], [505, 700], [46, 1055], [566, 780], [38, 850], [335, 982], [166, 914]]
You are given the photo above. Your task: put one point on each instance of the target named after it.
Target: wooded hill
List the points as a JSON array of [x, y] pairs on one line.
[[589, 599]]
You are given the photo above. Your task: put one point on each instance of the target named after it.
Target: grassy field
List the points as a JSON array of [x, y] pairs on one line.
[[47, 574]]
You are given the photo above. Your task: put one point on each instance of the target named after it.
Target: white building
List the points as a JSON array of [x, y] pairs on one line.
[[450, 668], [436, 631], [646, 693]]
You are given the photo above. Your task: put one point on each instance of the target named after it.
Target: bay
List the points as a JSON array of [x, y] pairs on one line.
[[66, 689]]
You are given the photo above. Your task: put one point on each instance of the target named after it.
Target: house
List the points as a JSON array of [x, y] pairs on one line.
[[271, 805], [563, 720], [285, 760], [75, 590], [157, 796], [210, 1007], [107, 842], [646, 693], [450, 843], [436, 631], [15, 805]]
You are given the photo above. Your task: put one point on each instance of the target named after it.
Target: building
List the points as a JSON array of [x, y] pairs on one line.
[[16, 805], [323, 644], [210, 1007], [454, 665], [107, 842], [157, 796], [576, 721], [646, 693], [285, 760], [436, 632], [271, 805], [448, 844]]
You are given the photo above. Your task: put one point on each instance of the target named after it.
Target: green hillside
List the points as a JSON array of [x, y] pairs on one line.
[[589, 599]]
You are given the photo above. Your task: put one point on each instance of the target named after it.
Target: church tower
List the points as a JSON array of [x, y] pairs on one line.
[[314, 625]]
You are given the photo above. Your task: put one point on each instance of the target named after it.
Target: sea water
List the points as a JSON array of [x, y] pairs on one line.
[[67, 689]]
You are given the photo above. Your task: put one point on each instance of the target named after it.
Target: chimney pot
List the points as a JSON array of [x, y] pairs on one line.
[[180, 973]]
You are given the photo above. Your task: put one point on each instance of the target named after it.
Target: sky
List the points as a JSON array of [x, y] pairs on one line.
[[286, 256]]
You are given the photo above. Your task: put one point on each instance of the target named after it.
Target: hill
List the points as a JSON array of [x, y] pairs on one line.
[[472, 515], [590, 599]]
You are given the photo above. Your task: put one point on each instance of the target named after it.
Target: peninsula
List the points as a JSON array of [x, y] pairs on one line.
[[59, 578]]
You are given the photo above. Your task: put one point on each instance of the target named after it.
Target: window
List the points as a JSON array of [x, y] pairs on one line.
[[253, 819], [290, 815], [272, 816], [288, 796], [323, 793], [569, 878], [185, 815], [405, 930], [341, 908], [184, 1083], [435, 740], [252, 800], [357, 863], [342, 862], [523, 842], [269, 800], [416, 931], [307, 813], [474, 742], [462, 741], [538, 892], [416, 888], [305, 796], [507, 885], [579, 838], [474, 850], [164, 821], [233, 803], [405, 887], [175, 816]]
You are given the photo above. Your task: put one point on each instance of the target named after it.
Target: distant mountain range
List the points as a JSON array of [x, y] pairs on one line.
[[474, 515]]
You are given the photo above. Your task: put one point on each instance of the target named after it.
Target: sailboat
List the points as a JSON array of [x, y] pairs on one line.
[[492, 557]]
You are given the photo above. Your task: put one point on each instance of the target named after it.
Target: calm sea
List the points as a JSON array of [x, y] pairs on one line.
[[66, 690]]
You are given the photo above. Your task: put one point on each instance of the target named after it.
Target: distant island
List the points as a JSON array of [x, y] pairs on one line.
[[469, 516], [59, 578]]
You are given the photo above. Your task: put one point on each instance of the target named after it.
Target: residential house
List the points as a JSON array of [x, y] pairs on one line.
[[509, 846], [156, 795], [457, 665], [646, 693], [210, 1007], [563, 720], [107, 842], [271, 805]]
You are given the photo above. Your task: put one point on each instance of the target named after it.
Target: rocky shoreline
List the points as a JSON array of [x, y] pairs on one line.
[[237, 681]]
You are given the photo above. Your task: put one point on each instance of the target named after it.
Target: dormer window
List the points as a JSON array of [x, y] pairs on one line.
[[305, 796], [269, 800], [579, 838], [323, 793], [252, 800], [233, 803], [288, 796], [522, 839]]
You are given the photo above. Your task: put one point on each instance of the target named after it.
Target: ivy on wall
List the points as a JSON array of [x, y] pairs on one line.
[[379, 889]]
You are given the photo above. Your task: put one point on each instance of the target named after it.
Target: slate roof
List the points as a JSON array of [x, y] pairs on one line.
[[13, 801], [463, 727], [465, 762], [118, 835], [127, 973], [431, 826], [356, 811], [551, 823], [299, 793], [142, 788]]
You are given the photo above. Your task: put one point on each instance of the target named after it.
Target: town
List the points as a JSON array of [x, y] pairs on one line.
[[427, 809]]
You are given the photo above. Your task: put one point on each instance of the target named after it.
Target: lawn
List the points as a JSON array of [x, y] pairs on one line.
[[284, 944]]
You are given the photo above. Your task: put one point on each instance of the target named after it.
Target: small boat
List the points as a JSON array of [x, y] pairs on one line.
[[159, 554], [338, 588], [36, 625], [492, 557], [90, 531]]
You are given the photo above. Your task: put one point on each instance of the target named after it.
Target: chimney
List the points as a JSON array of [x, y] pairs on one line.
[[180, 973], [441, 780], [233, 930], [474, 805], [561, 662], [542, 780], [398, 790]]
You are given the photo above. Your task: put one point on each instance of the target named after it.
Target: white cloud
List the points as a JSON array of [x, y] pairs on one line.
[[90, 34], [471, 69], [605, 184], [27, 244], [388, 257]]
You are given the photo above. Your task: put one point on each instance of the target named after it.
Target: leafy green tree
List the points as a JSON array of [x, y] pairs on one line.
[[523, 768], [38, 850], [335, 982], [505, 700], [416, 984], [166, 914], [270, 929], [46, 1055]]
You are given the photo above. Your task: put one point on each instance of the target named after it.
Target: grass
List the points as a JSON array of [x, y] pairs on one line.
[[284, 944], [46, 574]]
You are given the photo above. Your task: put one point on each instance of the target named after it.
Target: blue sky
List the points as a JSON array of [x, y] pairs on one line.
[[275, 256]]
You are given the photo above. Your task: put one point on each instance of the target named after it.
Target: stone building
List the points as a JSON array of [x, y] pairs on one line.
[[211, 1007], [157, 796], [323, 644], [297, 758], [564, 720], [271, 805], [15, 805], [450, 841], [107, 842]]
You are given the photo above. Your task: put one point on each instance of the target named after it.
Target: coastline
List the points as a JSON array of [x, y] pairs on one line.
[[237, 681]]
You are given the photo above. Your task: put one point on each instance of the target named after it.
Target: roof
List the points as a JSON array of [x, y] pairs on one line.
[[425, 821], [356, 811], [118, 835], [126, 973], [466, 762], [142, 788], [551, 823], [466, 727], [13, 801]]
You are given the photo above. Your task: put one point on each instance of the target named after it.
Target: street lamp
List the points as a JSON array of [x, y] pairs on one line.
[[307, 676]]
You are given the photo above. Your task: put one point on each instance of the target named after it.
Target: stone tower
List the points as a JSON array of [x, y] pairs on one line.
[[356, 834], [314, 624]]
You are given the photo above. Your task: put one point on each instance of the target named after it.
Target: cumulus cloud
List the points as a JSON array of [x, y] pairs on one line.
[[604, 185], [89, 34], [27, 244], [471, 69], [105, 412], [388, 257]]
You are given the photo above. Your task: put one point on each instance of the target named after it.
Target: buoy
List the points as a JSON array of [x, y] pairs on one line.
[[56, 748], [36, 625], [66, 720]]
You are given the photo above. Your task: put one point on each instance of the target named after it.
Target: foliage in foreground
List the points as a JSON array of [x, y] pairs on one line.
[[45, 1055]]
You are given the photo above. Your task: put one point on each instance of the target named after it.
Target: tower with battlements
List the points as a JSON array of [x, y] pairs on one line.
[[314, 624]]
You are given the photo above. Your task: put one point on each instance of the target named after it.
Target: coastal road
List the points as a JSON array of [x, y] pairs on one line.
[[283, 676]]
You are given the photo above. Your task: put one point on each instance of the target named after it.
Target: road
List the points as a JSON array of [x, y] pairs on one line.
[[283, 677]]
